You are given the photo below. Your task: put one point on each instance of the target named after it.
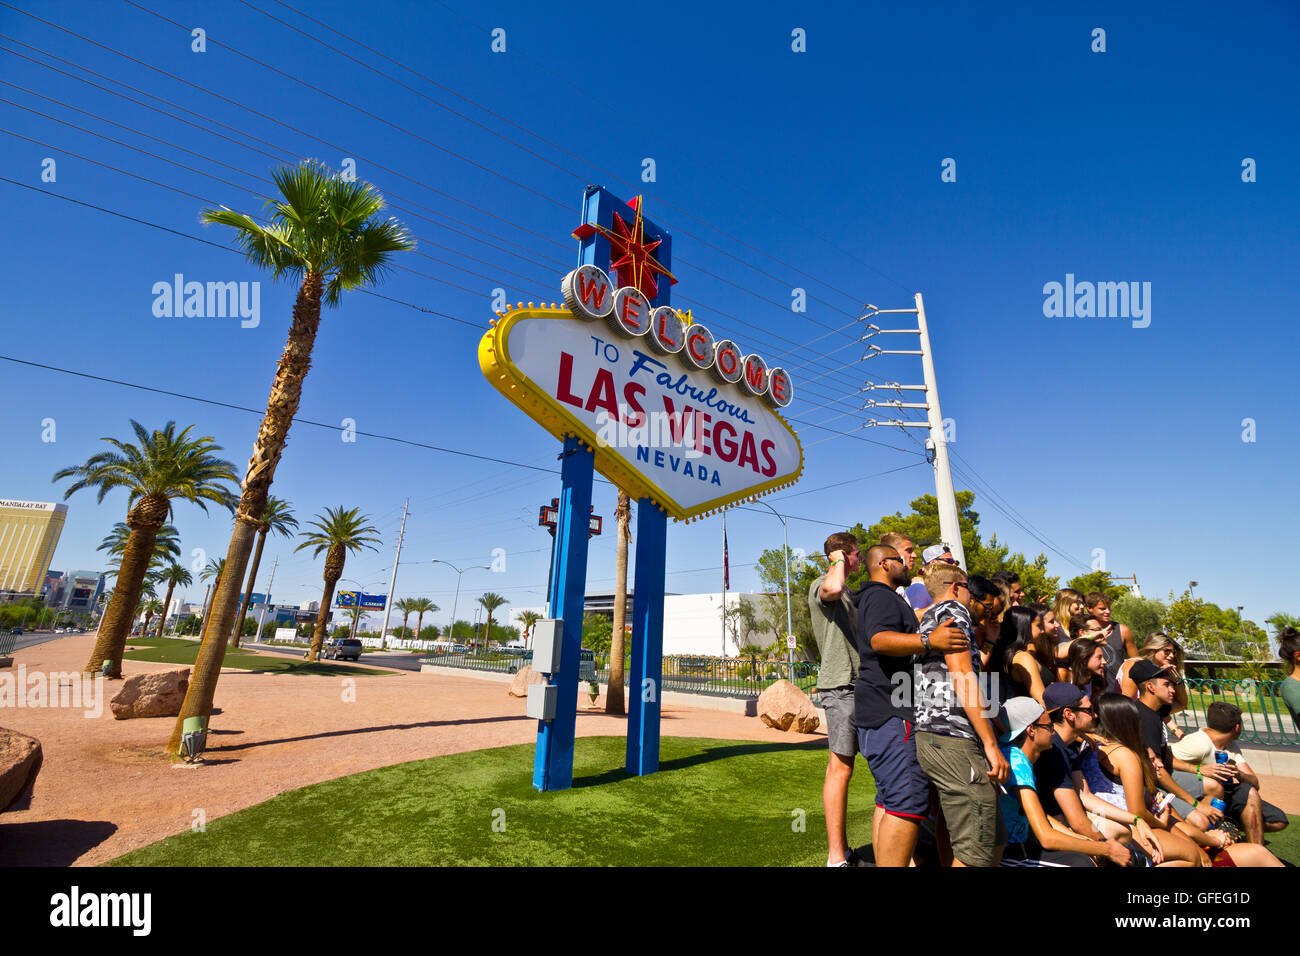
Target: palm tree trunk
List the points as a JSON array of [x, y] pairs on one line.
[[322, 617], [162, 622], [419, 624], [614, 693], [115, 625], [405, 617], [248, 591], [281, 407]]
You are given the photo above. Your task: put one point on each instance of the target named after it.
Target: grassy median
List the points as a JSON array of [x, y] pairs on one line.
[[170, 650], [713, 802]]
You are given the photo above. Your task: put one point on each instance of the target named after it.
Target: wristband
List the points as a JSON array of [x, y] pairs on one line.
[[835, 562], [1198, 772], [925, 642], [1136, 821]]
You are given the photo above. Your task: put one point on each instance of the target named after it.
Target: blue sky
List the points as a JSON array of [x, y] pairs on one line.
[[1117, 166]]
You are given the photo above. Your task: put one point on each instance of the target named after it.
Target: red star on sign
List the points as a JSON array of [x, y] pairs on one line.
[[630, 256]]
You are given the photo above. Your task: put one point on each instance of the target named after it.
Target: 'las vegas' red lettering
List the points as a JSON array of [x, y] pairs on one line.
[[564, 387], [632, 393], [724, 440], [602, 393], [748, 453], [768, 446]]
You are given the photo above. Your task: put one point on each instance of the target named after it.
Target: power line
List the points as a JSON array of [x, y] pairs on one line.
[[345, 103]]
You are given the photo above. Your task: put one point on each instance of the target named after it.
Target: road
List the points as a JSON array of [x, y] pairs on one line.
[[32, 638], [405, 662]]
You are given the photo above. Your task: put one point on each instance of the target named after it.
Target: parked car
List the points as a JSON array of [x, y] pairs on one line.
[[341, 649]]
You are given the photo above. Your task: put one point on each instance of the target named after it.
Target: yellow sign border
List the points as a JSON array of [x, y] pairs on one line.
[[502, 373]]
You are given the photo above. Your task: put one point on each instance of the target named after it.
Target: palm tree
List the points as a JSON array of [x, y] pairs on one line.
[[151, 607], [490, 602], [213, 571], [163, 466], [339, 531], [173, 574], [421, 607], [403, 607], [528, 619], [277, 517], [614, 693], [324, 233], [165, 550]]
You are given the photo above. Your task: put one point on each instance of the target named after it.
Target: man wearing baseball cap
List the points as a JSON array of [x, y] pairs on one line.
[[1155, 702], [916, 594], [1031, 838]]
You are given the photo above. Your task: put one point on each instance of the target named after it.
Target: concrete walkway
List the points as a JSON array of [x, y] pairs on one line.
[[107, 787]]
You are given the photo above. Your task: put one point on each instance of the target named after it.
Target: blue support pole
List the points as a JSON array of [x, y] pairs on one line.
[[647, 639], [553, 761]]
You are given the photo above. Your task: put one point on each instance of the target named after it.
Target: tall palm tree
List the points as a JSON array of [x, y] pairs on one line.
[[614, 694], [337, 532], [163, 466], [324, 233], [421, 607], [151, 607], [490, 602], [528, 619], [277, 516], [166, 548], [173, 574], [403, 607], [212, 571]]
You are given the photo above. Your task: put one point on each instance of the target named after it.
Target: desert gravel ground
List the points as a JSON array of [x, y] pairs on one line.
[[106, 786]]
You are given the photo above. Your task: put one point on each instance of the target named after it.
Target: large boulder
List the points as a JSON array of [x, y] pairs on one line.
[[523, 677], [785, 707], [151, 695], [20, 761]]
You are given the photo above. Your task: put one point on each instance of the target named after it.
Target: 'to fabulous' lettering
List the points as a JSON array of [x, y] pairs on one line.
[[590, 294]]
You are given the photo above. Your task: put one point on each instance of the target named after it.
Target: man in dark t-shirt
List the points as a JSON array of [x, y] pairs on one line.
[[1157, 689], [886, 640]]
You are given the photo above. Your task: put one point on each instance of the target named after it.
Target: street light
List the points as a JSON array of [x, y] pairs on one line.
[[789, 620], [451, 631]]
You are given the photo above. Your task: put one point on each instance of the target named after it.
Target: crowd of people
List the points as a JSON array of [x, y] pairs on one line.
[[1003, 732]]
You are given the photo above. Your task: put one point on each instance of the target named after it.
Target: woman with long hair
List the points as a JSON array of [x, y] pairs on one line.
[[1085, 668], [1025, 654], [1119, 773], [1069, 604]]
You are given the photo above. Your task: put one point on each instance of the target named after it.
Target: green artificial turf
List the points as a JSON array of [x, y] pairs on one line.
[[168, 650], [713, 802]]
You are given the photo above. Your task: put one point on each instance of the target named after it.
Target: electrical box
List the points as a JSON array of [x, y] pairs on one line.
[[548, 640], [541, 701]]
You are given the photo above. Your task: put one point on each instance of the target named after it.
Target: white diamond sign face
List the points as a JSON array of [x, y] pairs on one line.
[[694, 439]]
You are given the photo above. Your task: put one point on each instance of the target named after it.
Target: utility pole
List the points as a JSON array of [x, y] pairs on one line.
[[392, 581], [937, 446], [260, 617]]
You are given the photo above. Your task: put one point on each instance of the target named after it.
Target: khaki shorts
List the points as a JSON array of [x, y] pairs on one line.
[[967, 795]]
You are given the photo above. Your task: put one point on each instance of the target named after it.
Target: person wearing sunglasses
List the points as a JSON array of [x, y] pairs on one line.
[[955, 742], [1033, 838], [1058, 774]]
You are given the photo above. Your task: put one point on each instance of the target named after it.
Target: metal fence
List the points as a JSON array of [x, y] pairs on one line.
[[741, 677], [7, 641], [1264, 715]]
